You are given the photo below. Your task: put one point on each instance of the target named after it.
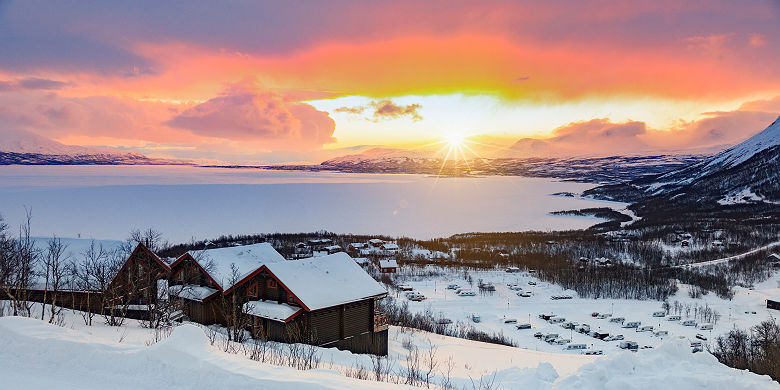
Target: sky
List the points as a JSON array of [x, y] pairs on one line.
[[269, 82]]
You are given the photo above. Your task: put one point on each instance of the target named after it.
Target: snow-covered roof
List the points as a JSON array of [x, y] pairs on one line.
[[360, 260], [271, 310], [390, 246], [775, 298], [332, 247], [247, 259], [775, 256], [326, 281], [193, 292], [388, 263], [375, 241], [358, 244]]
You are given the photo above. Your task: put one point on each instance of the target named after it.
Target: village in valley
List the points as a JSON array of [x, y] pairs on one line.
[[376, 308]]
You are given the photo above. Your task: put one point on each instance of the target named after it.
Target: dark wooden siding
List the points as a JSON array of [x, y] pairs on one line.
[[326, 325], [357, 318]]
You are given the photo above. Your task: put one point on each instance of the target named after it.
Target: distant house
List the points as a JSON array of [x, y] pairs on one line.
[[354, 248], [389, 248], [774, 260], [331, 249], [512, 269], [717, 243], [773, 303], [389, 266], [375, 242], [603, 262], [319, 243]]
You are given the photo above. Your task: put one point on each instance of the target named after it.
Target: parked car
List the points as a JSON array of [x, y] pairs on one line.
[[575, 346], [467, 293], [594, 314], [614, 337], [404, 287], [531, 283], [556, 320], [593, 352], [705, 326], [510, 320], [695, 344], [415, 296], [673, 318], [524, 294], [661, 333], [475, 317], [630, 345], [538, 335], [602, 316], [523, 326], [631, 324], [645, 328], [701, 336], [561, 341], [659, 314], [689, 323], [452, 287], [444, 321], [618, 320], [550, 336]]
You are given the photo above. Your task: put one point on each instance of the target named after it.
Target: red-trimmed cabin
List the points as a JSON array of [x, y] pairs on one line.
[[327, 301], [136, 281], [198, 292]]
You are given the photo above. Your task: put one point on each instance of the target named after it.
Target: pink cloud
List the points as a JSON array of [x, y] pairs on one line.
[[244, 113]]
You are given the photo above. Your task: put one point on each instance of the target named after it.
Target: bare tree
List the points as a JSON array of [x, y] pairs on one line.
[[150, 238], [17, 266], [56, 274]]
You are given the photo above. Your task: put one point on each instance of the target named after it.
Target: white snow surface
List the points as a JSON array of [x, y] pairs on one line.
[[246, 258], [190, 291], [270, 309], [326, 281], [39, 355]]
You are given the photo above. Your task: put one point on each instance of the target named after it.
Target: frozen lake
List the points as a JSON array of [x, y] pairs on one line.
[[189, 202]]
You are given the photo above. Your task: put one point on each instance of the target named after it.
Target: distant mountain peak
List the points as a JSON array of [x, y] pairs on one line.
[[23, 141]]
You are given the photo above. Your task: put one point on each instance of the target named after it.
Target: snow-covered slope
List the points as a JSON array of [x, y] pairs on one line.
[[39, 355], [745, 173], [22, 141]]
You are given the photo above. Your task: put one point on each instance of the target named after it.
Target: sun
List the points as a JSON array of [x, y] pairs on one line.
[[455, 141]]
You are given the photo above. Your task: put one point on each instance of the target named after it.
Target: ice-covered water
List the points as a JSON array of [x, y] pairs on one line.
[[187, 202]]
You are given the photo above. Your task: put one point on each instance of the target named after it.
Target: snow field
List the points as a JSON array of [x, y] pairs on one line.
[[505, 304]]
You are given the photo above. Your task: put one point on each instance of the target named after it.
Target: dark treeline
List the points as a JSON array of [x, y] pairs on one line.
[[757, 349]]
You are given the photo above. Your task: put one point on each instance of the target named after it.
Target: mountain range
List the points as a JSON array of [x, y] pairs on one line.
[[743, 181]]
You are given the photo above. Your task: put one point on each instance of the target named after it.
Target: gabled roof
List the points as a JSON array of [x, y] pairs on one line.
[[281, 312], [142, 248], [388, 263], [247, 259], [325, 281]]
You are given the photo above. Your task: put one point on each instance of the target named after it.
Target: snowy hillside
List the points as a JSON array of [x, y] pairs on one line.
[[744, 174]]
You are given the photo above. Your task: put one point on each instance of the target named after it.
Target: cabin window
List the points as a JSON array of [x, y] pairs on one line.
[[251, 291], [291, 300], [271, 283], [180, 275], [140, 270]]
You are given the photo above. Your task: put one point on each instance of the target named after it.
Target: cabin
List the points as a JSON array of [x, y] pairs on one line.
[[319, 243], [195, 290], [774, 260], [389, 266], [136, 285], [375, 242], [389, 249], [331, 249], [354, 248], [773, 303], [327, 301]]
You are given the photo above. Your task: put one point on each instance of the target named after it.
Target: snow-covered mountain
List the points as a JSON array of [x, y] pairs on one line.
[[22, 147], [23, 141], [747, 173]]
